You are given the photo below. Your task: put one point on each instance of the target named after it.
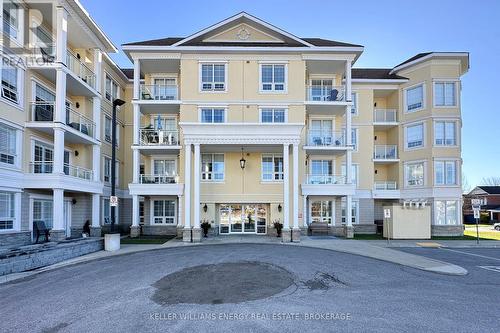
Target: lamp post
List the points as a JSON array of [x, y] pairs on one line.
[[117, 102]]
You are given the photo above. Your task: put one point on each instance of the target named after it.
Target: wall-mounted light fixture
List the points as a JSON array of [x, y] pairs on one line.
[[279, 208], [77, 153], [205, 208], [242, 160]]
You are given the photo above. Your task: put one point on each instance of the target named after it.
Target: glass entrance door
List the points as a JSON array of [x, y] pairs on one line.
[[242, 219]]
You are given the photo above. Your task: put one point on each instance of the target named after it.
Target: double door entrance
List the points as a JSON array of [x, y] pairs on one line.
[[242, 219]]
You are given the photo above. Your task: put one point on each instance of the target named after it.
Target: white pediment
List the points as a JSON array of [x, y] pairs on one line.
[[243, 33]]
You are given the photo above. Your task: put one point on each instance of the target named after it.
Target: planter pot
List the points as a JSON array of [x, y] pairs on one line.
[[111, 242]]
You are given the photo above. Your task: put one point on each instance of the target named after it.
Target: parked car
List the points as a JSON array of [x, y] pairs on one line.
[[496, 226]]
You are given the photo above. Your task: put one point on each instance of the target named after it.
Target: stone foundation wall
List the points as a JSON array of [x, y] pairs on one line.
[[151, 230], [447, 230], [338, 231], [15, 239], [365, 229]]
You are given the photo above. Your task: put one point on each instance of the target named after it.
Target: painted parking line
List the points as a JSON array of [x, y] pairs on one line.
[[491, 268], [471, 254]]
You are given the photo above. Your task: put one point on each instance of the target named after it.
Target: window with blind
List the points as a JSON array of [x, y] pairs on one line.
[[7, 211], [415, 98], [445, 133], [10, 83], [213, 77], [7, 144], [415, 136], [272, 77], [415, 174], [444, 94], [111, 89], [11, 19], [213, 115]]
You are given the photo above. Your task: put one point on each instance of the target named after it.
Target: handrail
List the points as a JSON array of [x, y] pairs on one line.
[[80, 69], [41, 167], [385, 185], [385, 152], [318, 93], [326, 179], [68, 169], [158, 137], [385, 115], [158, 179], [325, 138], [159, 92]]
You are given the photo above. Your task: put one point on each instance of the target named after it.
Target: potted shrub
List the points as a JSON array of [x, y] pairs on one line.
[[278, 226], [205, 225]]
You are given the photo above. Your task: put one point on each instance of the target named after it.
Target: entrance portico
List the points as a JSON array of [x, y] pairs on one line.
[[232, 190]]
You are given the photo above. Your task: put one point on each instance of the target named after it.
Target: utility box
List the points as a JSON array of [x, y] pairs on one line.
[[407, 222]]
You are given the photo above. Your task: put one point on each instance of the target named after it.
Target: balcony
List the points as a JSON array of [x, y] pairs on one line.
[[385, 154], [327, 185], [386, 190], [157, 185], [79, 128], [159, 98], [74, 178], [329, 100], [385, 118], [157, 141], [326, 142]]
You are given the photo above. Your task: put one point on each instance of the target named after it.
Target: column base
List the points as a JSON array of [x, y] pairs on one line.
[[349, 231], [296, 235], [135, 231], [286, 235], [57, 235], [196, 235], [180, 231], [186, 235], [95, 232]]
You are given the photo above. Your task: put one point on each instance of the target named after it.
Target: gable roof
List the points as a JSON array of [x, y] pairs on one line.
[[490, 189], [421, 57], [157, 42], [375, 74]]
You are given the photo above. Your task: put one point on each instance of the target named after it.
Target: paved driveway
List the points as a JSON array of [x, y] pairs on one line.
[[283, 288]]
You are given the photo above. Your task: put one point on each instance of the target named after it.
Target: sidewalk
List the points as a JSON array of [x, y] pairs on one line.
[[372, 249]]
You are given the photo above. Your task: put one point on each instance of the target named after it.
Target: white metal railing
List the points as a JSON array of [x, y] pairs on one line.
[[80, 122], [325, 138], [158, 179], [319, 93], [44, 111], [79, 172], [385, 116], [385, 185], [152, 137], [80, 69], [385, 152], [159, 92], [326, 180], [41, 167]]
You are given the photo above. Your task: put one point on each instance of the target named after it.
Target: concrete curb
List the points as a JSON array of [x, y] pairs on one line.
[[395, 257]]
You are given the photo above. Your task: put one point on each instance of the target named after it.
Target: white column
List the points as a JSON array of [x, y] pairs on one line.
[[348, 169], [196, 180], [58, 151], [98, 69], [295, 189], [60, 103], [96, 210], [61, 34], [187, 186], [58, 209], [137, 78], [135, 211], [136, 165], [348, 211], [179, 210], [96, 162], [348, 81], [286, 188], [305, 215], [137, 123]]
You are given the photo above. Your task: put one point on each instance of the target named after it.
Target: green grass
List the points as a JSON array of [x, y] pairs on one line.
[[369, 237], [145, 240], [489, 235]]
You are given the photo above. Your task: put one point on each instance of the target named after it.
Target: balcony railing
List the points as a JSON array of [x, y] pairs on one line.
[[68, 169], [159, 92], [326, 180], [385, 116], [152, 137], [44, 111], [385, 152], [325, 138], [385, 185], [325, 93], [158, 179], [80, 69]]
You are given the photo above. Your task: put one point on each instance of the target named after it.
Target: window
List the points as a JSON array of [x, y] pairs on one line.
[[445, 173], [322, 90], [321, 211], [354, 173], [321, 172], [212, 167], [415, 136], [415, 174], [272, 77], [106, 212], [415, 98], [7, 211], [446, 212], [213, 115], [272, 167], [10, 83], [445, 133], [11, 19], [141, 212], [272, 115], [354, 211], [107, 170], [163, 211], [42, 211], [7, 144], [444, 94], [107, 128], [164, 167], [111, 87], [213, 77], [44, 157], [165, 89], [354, 107]]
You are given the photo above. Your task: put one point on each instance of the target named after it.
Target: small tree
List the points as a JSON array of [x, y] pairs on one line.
[[491, 181], [466, 188]]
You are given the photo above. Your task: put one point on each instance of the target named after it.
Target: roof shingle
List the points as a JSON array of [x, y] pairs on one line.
[[375, 74]]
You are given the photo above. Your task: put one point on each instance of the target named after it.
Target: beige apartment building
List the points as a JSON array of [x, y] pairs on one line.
[[239, 125]]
